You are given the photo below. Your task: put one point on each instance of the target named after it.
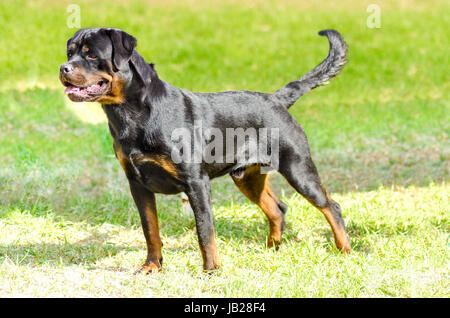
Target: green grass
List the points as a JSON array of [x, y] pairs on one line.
[[378, 134]]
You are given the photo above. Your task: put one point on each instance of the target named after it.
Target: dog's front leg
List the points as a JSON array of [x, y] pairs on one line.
[[146, 204], [199, 194]]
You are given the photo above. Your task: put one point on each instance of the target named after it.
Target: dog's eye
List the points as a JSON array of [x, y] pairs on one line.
[[69, 54], [92, 56]]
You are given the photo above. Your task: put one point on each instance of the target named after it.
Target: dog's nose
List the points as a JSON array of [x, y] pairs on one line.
[[66, 68]]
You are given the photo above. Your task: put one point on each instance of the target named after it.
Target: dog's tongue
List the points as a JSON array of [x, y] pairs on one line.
[[95, 88], [76, 90]]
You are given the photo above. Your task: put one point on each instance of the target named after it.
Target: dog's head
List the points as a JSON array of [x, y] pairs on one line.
[[98, 65]]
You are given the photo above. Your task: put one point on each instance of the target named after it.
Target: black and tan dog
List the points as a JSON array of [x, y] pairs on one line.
[[143, 111]]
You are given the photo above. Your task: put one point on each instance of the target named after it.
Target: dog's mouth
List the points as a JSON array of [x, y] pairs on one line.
[[86, 93]]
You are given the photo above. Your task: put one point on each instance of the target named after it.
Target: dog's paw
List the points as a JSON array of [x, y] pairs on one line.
[[148, 269], [273, 242], [346, 250], [211, 271]]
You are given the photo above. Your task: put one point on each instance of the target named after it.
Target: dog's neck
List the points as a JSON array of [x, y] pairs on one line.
[[142, 92]]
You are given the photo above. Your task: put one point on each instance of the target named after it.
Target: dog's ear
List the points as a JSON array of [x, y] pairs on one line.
[[123, 45], [69, 41]]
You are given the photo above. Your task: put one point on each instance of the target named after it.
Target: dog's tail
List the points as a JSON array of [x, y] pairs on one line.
[[329, 68]]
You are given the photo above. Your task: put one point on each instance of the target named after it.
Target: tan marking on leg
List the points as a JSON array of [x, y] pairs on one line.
[[255, 186], [123, 159], [161, 161], [339, 232], [154, 244], [209, 255]]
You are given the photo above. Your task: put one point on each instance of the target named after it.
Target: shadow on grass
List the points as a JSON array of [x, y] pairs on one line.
[[96, 247], [87, 251]]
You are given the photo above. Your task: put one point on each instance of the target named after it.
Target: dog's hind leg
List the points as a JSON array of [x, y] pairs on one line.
[[255, 186], [299, 170]]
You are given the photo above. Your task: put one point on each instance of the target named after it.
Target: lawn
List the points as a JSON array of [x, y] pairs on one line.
[[378, 134]]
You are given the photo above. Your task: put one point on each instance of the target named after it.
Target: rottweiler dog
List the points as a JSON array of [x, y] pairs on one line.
[[144, 111]]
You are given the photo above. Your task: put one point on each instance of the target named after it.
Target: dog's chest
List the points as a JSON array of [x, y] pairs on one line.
[[156, 172]]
